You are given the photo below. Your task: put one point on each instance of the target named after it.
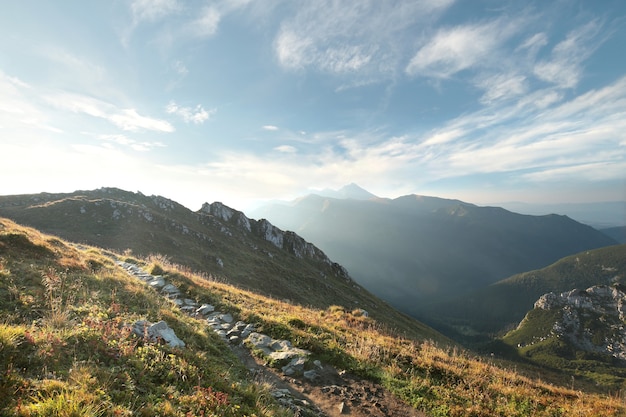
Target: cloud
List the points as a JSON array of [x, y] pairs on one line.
[[501, 86], [131, 143], [180, 68], [125, 119], [286, 149], [197, 115], [206, 25], [18, 107], [153, 10], [564, 66], [462, 47], [270, 128], [348, 37]]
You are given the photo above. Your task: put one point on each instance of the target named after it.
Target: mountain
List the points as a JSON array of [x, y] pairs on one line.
[[217, 241], [415, 250], [351, 191], [76, 339], [616, 233], [501, 306], [580, 330], [602, 214]]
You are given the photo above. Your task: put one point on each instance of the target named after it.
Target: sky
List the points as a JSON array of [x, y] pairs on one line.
[[244, 101]]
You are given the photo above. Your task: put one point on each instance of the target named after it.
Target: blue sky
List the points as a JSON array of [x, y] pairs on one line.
[[239, 101]]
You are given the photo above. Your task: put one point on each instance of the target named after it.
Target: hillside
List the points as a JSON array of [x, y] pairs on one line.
[[503, 305], [216, 240], [68, 347], [417, 250], [581, 330]]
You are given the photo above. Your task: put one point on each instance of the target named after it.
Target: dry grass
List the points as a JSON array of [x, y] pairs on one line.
[[441, 380]]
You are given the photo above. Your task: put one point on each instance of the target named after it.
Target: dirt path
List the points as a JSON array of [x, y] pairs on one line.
[[331, 394]]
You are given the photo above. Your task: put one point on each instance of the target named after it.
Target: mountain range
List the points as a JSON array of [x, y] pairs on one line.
[[418, 251], [460, 247]]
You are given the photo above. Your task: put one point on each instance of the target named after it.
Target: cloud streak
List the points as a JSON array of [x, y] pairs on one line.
[[125, 119], [350, 37]]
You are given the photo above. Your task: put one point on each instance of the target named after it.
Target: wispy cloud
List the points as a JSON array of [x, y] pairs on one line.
[[458, 48], [196, 115], [286, 149], [153, 10], [564, 66], [131, 143], [346, 37], [18, 108], [125, 119], [582, 139], [270, 128]]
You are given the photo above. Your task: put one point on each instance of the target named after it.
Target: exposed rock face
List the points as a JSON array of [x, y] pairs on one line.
[[592, 320], [286, 240]]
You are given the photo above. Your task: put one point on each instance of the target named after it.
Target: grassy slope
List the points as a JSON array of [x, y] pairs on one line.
[[65, 348]]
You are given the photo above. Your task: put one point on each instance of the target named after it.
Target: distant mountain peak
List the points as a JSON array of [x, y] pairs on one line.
[[350, 191]]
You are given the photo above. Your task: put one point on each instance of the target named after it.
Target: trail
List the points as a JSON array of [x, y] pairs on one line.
[[324, 393]]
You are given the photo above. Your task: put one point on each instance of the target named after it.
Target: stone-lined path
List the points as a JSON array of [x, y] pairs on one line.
[[308, 388]]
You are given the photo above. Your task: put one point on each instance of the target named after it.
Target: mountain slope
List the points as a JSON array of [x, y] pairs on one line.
[[67, 348], [504, 304], [415, 250], [217, 241], [581, 330]]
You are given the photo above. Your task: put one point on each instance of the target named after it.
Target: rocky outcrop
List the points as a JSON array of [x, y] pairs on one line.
[[285, 240], [592, 320]]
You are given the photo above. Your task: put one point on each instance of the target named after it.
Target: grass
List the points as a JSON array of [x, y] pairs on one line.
[[89, 363], [439, 379], [66, 347]]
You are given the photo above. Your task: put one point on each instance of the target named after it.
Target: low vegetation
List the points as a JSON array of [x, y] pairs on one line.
[[66, 347]]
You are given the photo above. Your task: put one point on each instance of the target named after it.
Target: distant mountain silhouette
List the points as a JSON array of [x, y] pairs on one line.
[[617, 233], [416, 250], [352, 191]]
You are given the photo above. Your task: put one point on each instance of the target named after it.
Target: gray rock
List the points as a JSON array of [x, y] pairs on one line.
[[259, 340], [157, 282], [279, 345], [160, 330], [227, 318], [205, 309], [170, 289], [311, 375]]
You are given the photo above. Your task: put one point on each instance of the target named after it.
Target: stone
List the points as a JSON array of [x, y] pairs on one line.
[[159, 330], [311, 375], [343, 408], [227, 318], [170, 289], [205, 309], [279, 345], [259, 340], [157, 282]]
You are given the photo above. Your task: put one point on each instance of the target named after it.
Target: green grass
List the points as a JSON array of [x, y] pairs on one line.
[[66, 348]]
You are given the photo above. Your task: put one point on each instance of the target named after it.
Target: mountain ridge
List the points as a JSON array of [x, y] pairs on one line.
[[216, 240], [413, 250]]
